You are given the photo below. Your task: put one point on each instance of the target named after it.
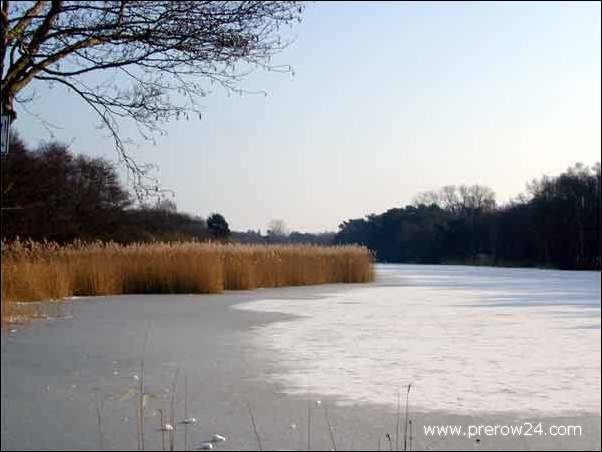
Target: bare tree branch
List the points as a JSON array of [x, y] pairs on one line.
[[158, 57]]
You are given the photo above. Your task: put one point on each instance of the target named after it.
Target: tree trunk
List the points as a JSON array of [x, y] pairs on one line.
[[8, 98]]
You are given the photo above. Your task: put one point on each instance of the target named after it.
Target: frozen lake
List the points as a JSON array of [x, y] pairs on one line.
[[468, 339], [479, 345]]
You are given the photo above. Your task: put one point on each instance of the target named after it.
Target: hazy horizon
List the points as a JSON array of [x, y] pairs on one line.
[[387, 100]]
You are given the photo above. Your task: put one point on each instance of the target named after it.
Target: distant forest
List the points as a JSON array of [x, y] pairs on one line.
[[556, 224], [48, 193]]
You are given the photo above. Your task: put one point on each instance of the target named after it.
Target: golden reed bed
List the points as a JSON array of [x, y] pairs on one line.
[[46, 271]]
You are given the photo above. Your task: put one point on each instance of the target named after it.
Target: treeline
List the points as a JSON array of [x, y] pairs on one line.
[[556, 224], [295, 237], [50, 194]]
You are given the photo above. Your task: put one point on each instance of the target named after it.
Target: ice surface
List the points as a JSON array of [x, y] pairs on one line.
[[468, 339]]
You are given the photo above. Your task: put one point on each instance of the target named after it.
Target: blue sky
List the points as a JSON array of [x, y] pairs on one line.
[[388, 99]]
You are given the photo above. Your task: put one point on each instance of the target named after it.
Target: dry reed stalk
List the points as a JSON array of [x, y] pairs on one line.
[[45, 271], [162, 428], [254, 426], [330, 428], [398, 418], [141, 394], [99, 420], [405, 434], [141, 407], [172, 414], [186, 412], [309, 425], [390, 441]]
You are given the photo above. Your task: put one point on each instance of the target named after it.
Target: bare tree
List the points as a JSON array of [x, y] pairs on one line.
[[459, 200], [158, 56], [166, 205], [427, 198], [277, 230], [476, 198], [449, 199]]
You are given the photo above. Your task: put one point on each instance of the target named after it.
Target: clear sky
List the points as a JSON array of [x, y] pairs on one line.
[[388, 99]]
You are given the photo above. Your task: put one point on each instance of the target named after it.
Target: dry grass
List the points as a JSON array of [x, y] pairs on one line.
[[45, 271]]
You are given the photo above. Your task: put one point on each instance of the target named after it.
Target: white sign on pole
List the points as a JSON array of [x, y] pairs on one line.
[[4, 134]]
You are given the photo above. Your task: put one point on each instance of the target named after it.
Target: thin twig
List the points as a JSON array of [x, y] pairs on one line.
[[330, 428], [162, 428], [172, 415], [254, 426], [141, 395], [141, 407], [405, 435], [398, 417], [309, 425], [139, 419], [99, 420], [388, 436], [185, 412]]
